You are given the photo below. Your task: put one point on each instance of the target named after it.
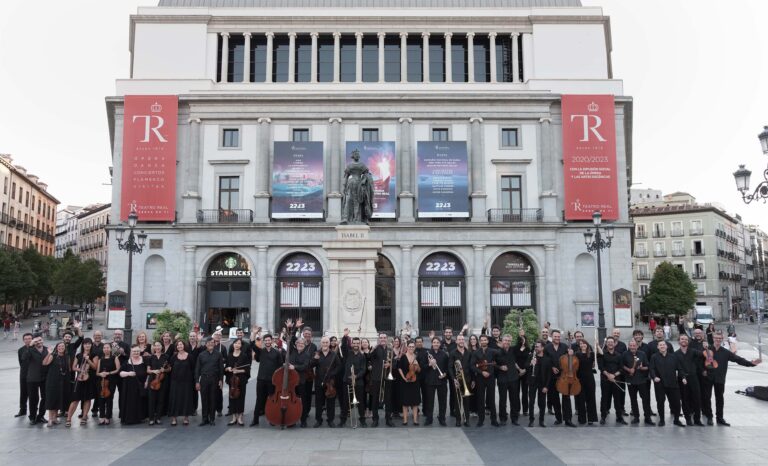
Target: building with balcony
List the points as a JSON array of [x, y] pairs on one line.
[[758, 248], [66, 231], [28, 211], [92, 238], [487, 75]]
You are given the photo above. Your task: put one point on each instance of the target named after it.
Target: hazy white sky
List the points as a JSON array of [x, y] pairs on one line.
[[697, 70]]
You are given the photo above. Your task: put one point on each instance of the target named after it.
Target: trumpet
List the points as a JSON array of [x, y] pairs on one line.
[[352, 399], [432, 360]]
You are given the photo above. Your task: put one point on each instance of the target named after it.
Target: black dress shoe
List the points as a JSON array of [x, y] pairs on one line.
[[389, 423], [649, 422], [514, 422], [32, 422], [570, 424], [698, 423], [709, 421], [255, 422], [317, 424], [661, 423], [620, 420], [21, 413], [41, 419], [602, 421], [495, 424], [541, 424], [557, 423], [213, 422], [721, 422], [635, 420], [530, 423], [678, 423], [442, 422], [204, 423]]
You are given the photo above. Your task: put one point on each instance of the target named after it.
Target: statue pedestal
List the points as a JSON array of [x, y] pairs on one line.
[[352, 256]]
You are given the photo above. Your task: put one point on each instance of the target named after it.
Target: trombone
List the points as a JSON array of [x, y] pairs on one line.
[[459, 397], [389, 375], [352, 399]]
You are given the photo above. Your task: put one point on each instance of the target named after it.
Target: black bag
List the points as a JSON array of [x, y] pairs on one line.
[[761, 393]]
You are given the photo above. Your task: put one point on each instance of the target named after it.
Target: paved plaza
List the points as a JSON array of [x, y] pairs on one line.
[[743, 443]]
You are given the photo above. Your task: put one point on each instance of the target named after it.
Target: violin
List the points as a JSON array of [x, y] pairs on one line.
[[413, 369], [484, 365], [157, 382], [568, 383], [234, 386], [710, 362], [105, 392], [283, 408]]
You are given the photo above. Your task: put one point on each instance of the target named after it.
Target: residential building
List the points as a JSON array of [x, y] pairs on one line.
[[758, 242], [92, 240], [66, 237]]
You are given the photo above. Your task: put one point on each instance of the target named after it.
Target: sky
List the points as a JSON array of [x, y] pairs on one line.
[[697, 72]]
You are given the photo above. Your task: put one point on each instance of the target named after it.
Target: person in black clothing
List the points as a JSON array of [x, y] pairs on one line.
[[717, 374], [539, 375], [421, 356], [84, 387], [711, 334], [508, 378], [523, 355], [482, 365], [693, 362], [620, 348], [665, 370], [586, 406], [219, 347], [461, 355], [122, 351], [194, 348], [380, 360], [326, 364], [269, 359], [158, 364], [299, 361], [109, 367], [98, 345], [309, 376], [35, 378], [436, 374], [651, 349], [208, 377], [448, 344], [23, 364], [354, 362], [58, 385], [635, 366], [609, 363], [638, 336], [553, 351], [182, 390]]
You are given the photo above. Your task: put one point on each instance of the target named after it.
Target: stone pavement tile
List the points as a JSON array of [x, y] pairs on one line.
[[466, 456], [279, 457], [362, 443], [691, 456], [388, 457], [638, 456], [582, 456], [732, 456], [336, 457], [317, 443]]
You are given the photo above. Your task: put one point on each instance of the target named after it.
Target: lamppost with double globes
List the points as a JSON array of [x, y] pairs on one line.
[[133, 245], [596, 243], [742, 176]]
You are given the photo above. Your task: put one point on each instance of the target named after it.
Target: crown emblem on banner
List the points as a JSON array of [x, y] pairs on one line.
[[593, 107], [156, 108]]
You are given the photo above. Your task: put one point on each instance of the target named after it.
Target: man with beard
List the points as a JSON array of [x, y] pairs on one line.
[[23, 366]]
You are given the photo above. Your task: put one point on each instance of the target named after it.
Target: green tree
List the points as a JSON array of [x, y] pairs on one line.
[[671, 291], [91, 281], [16, 278], [66, 279], [530, 323], [43, 268], [178, 323]]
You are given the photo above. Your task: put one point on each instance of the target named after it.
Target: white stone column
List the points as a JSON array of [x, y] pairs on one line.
[[291, 57], [549, 307], [336, 57], [261, 291], [478, 171], [381, 37], [313, 66], [188, 282], [448, 58], [224, 56], [409, 304], [527, 56], [261, 214], [515, 58], [358, 57], [425, 58], [403, 57], [492, 47], [548, 195], [270, 53], [471, 57], [191, 197], [405, 164], [247, 58], [478, 285], [335, 152]]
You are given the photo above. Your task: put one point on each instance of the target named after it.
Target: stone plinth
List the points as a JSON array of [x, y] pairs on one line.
[[352, 256]]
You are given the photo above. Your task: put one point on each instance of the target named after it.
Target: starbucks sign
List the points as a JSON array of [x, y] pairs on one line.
[[229, 265]]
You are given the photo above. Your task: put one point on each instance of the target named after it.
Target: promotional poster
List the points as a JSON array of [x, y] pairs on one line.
[[379, 157], [589, 157], [149, 157], [443, 181], [297, 180]]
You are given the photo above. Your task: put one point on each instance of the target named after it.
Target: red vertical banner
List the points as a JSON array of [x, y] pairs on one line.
[[589, 157], [149, 157]]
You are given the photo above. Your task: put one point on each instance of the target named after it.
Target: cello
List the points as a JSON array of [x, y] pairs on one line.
[[284, 407], [568, 383]]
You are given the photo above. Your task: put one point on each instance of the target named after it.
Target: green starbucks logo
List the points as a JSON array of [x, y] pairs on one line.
[[230, 263]]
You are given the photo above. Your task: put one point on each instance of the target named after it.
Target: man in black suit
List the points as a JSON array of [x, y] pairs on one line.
[[23, 364]]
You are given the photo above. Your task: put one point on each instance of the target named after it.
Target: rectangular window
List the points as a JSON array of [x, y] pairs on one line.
[[503, 59], [482, 71], [509, 137], [640, 231], [5, 185], [439, 134], [699, 270], [300, 135], [370, 134], [643, 290], [229, 192], [236, 58], [303, 72], [415, 57], [658, 249], [370, 58], [392, 58], [21, 193], [436, 59], [678, 249], [658, 230], [459, 59], [677, 228], [642, 271], [511, 194], [13, 191], [26, 200], [258, 58], [325, 58], [280, 55], [4, 206], [696, 227], [348, 56], [641, 250], [698, 248], [230, 137]]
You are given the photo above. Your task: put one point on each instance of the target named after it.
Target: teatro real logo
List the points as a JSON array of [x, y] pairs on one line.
[[152, 123], [590, 123]]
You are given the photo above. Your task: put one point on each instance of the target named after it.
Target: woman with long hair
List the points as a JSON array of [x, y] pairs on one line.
[[57, 382], [408, 368], [522, 355], [145, 349], [237, 372], [586, 404], [397, 400], [109, 366], [134, 375], [157, 368], [182, 393], [84, 387]]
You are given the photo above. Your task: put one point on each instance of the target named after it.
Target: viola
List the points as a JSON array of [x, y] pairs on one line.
[[710, 362], [283, 408], [568, 383], [483, 366], [234, 386], [330, 389], [157, 382], [105, 392], [413, 369]]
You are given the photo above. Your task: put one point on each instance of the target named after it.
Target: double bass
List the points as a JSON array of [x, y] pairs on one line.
[[284, 407], [568, 383]]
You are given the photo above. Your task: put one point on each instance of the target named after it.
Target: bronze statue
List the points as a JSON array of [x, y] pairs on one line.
[[357, 204]]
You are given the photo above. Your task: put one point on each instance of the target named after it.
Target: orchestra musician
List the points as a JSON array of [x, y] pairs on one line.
[[381, 358], [237, 371], [435, 378], [692, 362], [208, 378], [482, 365], [586, 406], [309, 376], [269, 359], [326, 364], [540, 373], [183, 396], [635, 366], [158, 365], [553, 351], [508, 378], [299, 361], [354, 361], [609, 363], [408, 367], [665, 370], [463, 356]]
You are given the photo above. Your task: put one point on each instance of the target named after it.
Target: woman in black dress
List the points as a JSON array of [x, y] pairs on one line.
[[134, 375], [84, 388], [182, 392], [157, 368], [474, 345], [145, 349], [522, 355], [237, 371], [57, 382], [397, 351], [409, 368], [586, 406], [109, 367]]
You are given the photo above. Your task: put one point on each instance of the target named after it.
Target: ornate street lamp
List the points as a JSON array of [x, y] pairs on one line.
[[596, 243], [133, 245], [742, 176]]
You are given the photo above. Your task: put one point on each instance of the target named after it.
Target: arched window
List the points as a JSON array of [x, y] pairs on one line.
[[513, 286], [385, 295], [442, 293], [300, 291]]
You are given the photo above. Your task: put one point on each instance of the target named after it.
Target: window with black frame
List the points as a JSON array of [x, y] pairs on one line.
[[229, 197], [442, 293], [385, 296], [513, 286]]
